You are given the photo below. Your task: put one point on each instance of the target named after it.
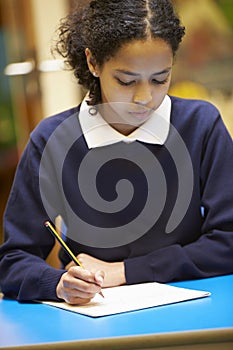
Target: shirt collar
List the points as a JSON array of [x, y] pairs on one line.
[[97, 132]]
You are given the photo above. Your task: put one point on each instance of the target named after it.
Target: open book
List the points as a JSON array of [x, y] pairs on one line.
[[133, 297]]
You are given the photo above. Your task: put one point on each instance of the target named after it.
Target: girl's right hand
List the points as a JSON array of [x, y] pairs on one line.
[[78, 286]]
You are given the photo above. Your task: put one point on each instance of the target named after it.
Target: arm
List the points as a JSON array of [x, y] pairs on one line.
[[212, 253], [24, 274], [209, 255]]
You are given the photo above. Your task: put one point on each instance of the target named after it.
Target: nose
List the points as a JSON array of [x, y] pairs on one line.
[[143, 94]]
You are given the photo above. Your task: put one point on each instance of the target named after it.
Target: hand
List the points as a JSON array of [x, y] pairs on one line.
[[114, 273], [79, 286]]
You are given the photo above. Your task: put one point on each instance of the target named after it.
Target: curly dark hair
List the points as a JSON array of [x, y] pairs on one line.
[[105, 25]]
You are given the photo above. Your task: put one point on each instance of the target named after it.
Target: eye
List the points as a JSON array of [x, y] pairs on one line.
[[160, 82], [125, 83]]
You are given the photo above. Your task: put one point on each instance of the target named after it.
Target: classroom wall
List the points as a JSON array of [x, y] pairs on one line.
[[59, 88], [204, 63]]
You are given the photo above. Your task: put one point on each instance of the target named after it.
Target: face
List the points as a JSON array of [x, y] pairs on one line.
[[134, 82]]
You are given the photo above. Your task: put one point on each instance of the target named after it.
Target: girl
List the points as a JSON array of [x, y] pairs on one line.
[[142, 180]]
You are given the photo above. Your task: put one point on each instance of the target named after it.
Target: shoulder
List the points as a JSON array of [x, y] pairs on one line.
[[193, 113], [193, 106], [198, 120]]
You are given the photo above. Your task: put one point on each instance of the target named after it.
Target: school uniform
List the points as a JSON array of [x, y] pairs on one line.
[[159, 199]]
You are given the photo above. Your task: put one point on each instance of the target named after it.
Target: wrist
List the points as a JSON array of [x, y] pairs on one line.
[[121, 273], [115, 275]]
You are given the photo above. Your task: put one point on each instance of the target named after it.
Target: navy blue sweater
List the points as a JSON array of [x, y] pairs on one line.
[[186, 231]]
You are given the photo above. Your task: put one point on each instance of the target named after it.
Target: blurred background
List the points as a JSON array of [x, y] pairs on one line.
[[33, 84]]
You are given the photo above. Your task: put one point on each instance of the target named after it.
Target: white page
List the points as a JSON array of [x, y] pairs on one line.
[[133, 297]]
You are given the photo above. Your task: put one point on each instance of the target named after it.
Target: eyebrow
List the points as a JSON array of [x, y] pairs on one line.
[[166, 70]]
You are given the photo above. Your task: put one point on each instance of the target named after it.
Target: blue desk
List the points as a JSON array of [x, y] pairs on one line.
[[198, 324]]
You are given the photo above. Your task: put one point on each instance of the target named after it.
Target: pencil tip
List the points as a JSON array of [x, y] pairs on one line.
[[100, 293]]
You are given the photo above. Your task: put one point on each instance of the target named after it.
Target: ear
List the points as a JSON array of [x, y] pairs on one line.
[[91, 62]]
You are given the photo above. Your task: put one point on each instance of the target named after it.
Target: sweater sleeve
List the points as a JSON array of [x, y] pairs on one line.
[[24, 274], [212, 253]]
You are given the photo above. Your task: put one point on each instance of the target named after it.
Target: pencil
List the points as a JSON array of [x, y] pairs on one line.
[[52, 230]]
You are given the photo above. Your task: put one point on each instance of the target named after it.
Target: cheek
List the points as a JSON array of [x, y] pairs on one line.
[[159, 94], [117, 94]]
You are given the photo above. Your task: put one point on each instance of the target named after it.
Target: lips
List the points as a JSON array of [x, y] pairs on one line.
[[141, 113]]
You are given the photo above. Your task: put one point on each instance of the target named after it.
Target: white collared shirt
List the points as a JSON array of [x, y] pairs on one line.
[[97, 132]]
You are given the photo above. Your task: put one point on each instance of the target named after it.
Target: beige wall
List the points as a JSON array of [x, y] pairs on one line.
[[59, 89]]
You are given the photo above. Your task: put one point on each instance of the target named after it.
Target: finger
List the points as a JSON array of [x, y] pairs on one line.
[[72, 295], [68, 266], [77, 293], [79, 286], [99, 278], [83, 274], [76, 300], [81, 280]]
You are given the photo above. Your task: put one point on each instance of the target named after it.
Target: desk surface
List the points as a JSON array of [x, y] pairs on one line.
[[25, 324]]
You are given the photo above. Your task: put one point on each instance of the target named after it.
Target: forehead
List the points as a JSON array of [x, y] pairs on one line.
[[141, 55]]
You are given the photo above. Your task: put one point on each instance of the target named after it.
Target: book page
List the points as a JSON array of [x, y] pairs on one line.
[[132, 297]]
